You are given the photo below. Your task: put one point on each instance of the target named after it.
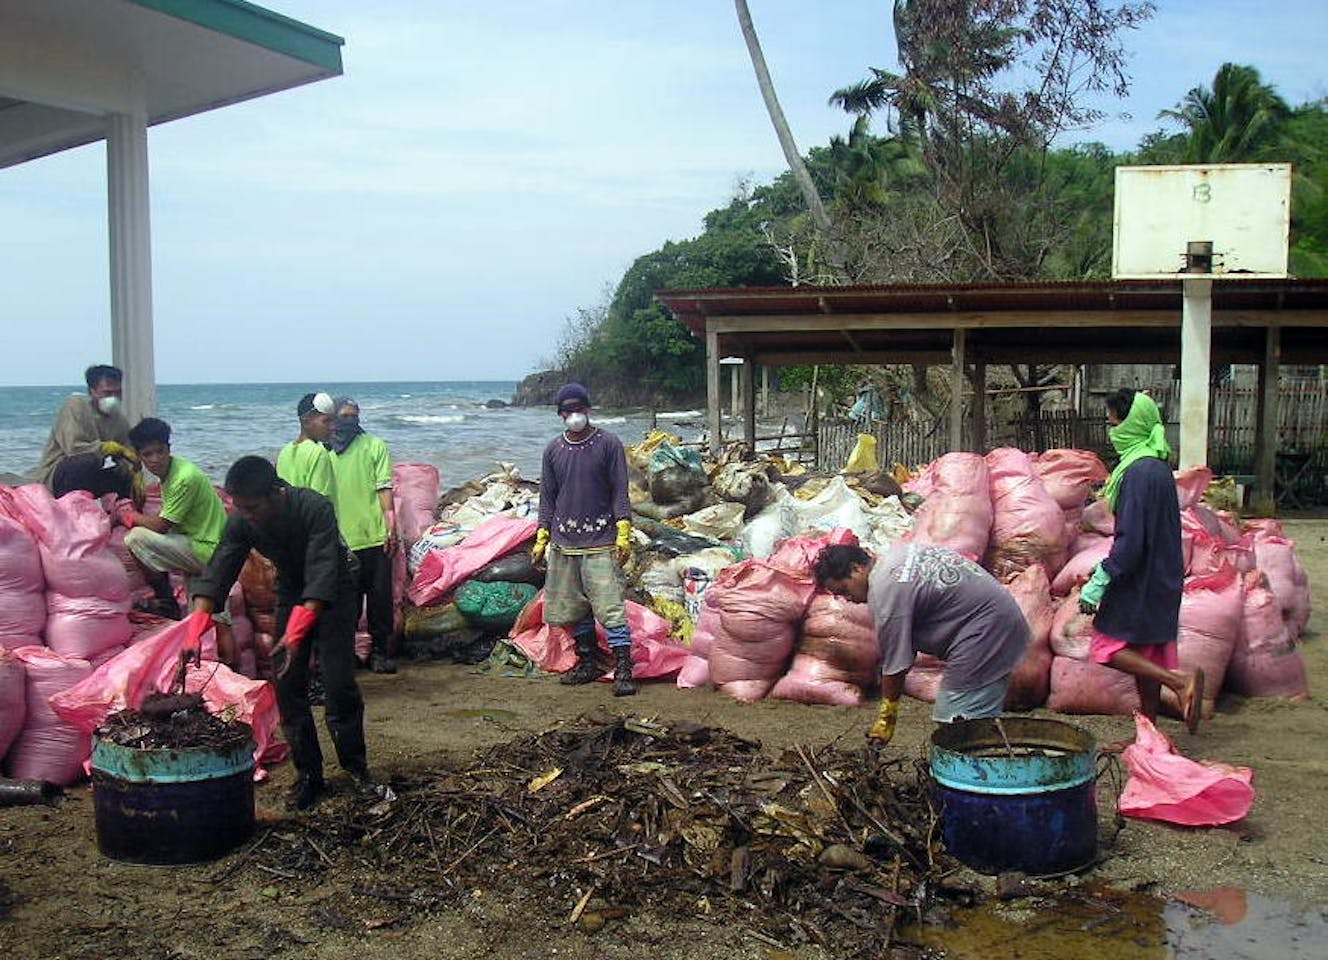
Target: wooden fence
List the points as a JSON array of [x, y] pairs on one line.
[[1233, 411]]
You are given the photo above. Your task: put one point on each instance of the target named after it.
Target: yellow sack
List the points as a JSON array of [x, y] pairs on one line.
[[639, 454], [863, 457]]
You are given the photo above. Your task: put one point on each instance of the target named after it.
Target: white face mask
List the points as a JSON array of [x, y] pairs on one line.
[[576, 422], [108, 405]]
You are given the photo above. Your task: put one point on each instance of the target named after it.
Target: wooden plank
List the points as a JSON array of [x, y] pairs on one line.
[[1004, 319], [714, 419]]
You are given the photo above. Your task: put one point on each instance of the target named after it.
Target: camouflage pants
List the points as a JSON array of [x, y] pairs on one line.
[[581, 585]]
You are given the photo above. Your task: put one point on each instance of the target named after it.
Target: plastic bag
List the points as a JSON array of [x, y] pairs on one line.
[[1069, 475], [1080, 566], [1191, 484], [1071, 630], [1084, 687], [1166, 786], [493, 606], [836, 658], [721, 521], [414, 497], [22, 586], [72, 535], [760, 607], [863, 457], [13, 699], [48, 748], [1276, 557], [1030, 679], [1027, 526], [442, 570], [551, 648], [515, 567], [957, 513], [1265, 661], [86, 626]]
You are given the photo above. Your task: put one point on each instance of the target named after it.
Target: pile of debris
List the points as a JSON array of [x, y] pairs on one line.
[[609, 817]]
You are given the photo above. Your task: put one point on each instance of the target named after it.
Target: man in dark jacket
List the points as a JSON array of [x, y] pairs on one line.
[[296, 529], [1136, 591]]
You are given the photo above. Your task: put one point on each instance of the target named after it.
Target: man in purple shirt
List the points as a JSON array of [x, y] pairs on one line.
[[927, 599], [585, 534]]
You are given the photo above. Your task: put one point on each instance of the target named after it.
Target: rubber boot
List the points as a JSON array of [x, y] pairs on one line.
[[586, 669], [623, 684]]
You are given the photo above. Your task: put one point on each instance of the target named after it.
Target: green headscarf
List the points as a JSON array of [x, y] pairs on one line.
[[1140, 434]]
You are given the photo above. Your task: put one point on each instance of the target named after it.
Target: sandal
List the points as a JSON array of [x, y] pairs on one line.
[[1195, 704]]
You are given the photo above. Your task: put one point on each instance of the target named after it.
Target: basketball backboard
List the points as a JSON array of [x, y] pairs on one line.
[[1164, 212]]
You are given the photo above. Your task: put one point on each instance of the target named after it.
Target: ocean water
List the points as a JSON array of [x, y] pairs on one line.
[[444, 423]]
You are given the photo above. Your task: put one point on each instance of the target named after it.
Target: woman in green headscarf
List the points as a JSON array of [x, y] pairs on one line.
[[1135, 592]]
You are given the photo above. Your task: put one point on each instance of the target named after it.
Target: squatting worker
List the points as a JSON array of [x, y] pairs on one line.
[[296, 529], [88, 448], [183, 537], [585, 534], [363, 470], [927, 599], [305, 461], [1136, 591]]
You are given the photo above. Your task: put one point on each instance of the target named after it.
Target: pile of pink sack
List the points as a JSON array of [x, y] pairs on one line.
[[64, 618]]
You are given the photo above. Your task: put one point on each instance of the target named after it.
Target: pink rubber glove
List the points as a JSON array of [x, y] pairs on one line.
[[125, 513], [198, 623], [298, 625]]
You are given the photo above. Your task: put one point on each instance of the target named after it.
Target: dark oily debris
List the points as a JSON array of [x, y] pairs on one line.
[[608, 817], [172, 722]]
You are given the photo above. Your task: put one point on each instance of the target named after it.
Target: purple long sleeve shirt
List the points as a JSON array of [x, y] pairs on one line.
[[583, 490]]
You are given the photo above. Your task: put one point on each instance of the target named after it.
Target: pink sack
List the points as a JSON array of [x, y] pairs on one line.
[[1276, 557], [1069, 475], [13, 699], [836, 658], [1191, 485], [442, 570], [1265, 662], [85, 626], [1030, 679], [695, 670], [1084, 687], [414, 497], [1211, 614], [957, 512], [1080, 566], [1028, 526], [654, 652], [1263, 527], [48, 748], [1099, 519], [923, 680], [22, 586], [138, 581], [760, 607], [1166, 786], [149, 666], [72, 535], [800, 552], [1071, 631]]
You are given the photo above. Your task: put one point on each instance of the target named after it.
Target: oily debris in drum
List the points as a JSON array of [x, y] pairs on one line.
[[172, 721]]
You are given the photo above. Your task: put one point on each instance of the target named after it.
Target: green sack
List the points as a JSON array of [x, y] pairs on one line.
[[667, 455], [426, 623], [493, 606]]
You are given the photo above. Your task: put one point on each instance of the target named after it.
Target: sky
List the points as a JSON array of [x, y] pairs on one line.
[[484, 170]]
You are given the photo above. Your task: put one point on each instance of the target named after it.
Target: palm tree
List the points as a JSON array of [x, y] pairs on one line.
[[1240, 119]]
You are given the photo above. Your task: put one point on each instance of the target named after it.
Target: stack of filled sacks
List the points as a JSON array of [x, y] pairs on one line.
[[1245, 602]]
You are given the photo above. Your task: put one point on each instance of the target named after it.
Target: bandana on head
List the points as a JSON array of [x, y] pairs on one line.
[[344, 429], [1139, 435]]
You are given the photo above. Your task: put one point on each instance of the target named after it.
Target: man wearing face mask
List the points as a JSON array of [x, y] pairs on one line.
[[89, 444], [305, 462], [363, 469], [585, 535]]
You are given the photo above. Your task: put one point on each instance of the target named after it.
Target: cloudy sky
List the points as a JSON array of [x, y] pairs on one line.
[[481, 171]]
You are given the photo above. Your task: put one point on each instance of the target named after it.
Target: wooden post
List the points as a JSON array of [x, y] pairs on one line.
[[747, 385], [765, 390], [1265, 458], [978, 415], [713, 416], [957, 389]]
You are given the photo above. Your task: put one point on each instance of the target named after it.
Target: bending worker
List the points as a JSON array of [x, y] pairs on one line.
[[296, 529], [927, 599]]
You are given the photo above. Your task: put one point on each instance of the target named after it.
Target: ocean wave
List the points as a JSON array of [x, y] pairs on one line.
[[603, 421], [203, 406], [429, 418], [679, 414]]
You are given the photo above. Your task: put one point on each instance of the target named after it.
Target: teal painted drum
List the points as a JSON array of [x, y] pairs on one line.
[[181, 805], [1017, 794]]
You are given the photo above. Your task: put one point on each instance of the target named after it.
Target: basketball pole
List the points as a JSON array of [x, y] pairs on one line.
[[1195, 352]]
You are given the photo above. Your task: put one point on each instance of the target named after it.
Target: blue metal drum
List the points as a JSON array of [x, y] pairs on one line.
[[1017, 794], [166, 806]]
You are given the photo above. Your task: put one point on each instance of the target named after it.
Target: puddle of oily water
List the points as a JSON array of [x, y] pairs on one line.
[[1105, 924]]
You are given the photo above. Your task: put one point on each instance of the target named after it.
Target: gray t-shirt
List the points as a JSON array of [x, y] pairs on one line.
[[927, 599]]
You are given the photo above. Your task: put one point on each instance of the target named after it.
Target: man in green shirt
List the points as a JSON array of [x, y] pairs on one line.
[[368, 525], [183, 537], [305, 462]]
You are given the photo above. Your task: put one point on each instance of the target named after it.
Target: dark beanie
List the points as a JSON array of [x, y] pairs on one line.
[[570, 392]]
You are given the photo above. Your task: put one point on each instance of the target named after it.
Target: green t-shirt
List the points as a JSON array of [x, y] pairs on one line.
[[362, 470], [308, 464], [189, 501]]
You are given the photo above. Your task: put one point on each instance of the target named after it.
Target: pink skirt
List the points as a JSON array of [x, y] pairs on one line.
[[1103, 648]]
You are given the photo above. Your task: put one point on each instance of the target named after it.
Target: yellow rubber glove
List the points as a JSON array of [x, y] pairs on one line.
[[623, 543], [110, 448], [884, 727], [541, 545]]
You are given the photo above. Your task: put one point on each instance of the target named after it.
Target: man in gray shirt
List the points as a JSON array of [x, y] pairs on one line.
[[926, 599]]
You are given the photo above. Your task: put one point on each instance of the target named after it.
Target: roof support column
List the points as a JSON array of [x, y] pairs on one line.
[[714, 422], [957, 388], [1265, 458], [747, 387], [1195, 350], [978, 414], [131, 260]]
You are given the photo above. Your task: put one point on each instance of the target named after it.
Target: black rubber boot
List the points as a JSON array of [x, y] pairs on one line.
[[587, 669], [623, 684]]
